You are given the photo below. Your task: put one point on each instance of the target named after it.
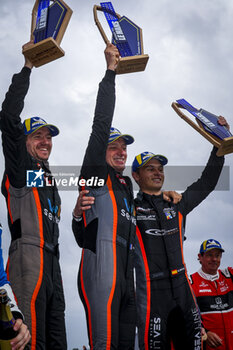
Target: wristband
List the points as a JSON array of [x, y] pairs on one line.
[[77, 218]]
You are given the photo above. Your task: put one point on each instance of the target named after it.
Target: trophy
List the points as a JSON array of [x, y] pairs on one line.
[[49, 22], [207, 125], [127, 37]]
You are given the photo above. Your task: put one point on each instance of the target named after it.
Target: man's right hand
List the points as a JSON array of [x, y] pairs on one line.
[[83, 203], [28, 63], [112, 56], [213, 340]]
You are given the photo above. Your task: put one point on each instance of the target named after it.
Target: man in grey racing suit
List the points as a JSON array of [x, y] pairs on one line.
[[33, 217]]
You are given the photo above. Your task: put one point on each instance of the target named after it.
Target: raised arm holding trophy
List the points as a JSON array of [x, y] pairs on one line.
[[48, 26], [207, 125], [127, 37], [34, 212]]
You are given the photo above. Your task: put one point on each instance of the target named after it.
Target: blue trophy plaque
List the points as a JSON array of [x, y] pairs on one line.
[[207, 125], [49, 22], [127, 37]]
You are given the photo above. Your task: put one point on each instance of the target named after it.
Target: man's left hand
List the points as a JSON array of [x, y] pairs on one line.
[[222, 121], [20, 341]]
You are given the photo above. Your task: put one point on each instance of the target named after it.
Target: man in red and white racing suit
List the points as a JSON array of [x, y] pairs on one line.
[[214, 292]]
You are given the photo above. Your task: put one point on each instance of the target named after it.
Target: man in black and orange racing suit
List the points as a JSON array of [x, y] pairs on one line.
[[105, 280], [33, 216], [168, 317]]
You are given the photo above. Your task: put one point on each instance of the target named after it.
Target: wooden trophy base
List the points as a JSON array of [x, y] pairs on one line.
[[132, 64], [43, 52], [224, 146]]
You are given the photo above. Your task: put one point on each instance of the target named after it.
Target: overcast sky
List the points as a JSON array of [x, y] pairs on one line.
[[190, 45]]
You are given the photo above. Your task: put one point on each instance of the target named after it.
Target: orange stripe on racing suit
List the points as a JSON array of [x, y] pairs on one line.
[[38, 285], [83, 288], [182, 253], [86, 300], [7, 185], [115, 217], [186, 274], [138, 234]]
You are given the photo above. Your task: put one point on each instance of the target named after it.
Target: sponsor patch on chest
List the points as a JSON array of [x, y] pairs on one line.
[[223, 286], [203, 284], [158, 232], [219, 304], [145, 214], [146, 217], [169, 213]]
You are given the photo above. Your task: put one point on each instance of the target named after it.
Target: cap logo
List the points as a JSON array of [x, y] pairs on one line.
[[210, 243], [204, 245], [139, 159], [27, 124], [114, 131], [38, 121], [116, 134], [33, 124], [147, 155]]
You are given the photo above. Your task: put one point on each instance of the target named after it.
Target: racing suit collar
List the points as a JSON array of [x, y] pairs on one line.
[[147, 196], [208, 277], [44, 164]]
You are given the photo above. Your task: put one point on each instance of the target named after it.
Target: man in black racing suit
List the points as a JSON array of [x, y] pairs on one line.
[[168, 316], [105, 280], [33, 216]]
